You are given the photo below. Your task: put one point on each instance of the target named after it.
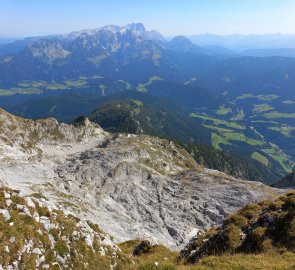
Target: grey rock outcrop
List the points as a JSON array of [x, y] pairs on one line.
[[131, 186], [63, 239]]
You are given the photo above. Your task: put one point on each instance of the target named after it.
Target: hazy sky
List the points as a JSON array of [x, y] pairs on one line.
[[170, 17]]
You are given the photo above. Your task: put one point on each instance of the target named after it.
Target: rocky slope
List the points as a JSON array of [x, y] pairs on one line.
[[36, 234], [257, 228], [132, 186]]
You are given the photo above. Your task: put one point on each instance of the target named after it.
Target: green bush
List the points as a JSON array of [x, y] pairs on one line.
[[237, 220], [61, 248], [143, 248], [250, 211], [231, 238], [255, 240], [290, 203]]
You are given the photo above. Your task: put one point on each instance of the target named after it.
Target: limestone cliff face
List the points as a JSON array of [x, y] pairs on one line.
[[47, 51], [131, 186]]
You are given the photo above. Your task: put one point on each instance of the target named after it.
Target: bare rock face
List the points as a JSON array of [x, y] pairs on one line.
[[47, 50], [131, 186], [23, 138]]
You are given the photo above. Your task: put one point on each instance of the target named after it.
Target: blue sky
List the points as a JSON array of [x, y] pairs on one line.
[[170, 17]]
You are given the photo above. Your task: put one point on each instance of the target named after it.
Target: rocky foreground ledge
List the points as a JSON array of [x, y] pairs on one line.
[[36, 234], [131, 186]]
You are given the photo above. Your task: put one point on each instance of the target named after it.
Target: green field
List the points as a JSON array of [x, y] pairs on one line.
[[289, 102], [239, 116], [218, 122], [258, 108], [142, 86], [259, 97], [225, 136], [262, 159], [38, 87], [234, 136], [223, 110], [97, 59], [127, 85], [217, 140], [228, 136], [279, 157], [284, 130], [75, 83], [23, 91], [265, 122], [227, 133], [276, 114]]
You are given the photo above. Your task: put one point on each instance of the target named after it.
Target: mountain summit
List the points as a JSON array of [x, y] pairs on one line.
[[137, 29], [183, 44]]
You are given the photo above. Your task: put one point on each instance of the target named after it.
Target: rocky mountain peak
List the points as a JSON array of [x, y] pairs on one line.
[[137, 28], [182, 40], [47, 50], [20, 136], [183, 44], [109, 39], [110, 28]]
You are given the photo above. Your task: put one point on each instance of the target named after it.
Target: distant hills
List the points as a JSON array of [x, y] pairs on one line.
[[139, 113], [283, 52]]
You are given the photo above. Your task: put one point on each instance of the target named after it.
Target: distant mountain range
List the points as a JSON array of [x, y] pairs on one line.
[[4, 40], [244, 104], [244, 42], [250, 45]]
